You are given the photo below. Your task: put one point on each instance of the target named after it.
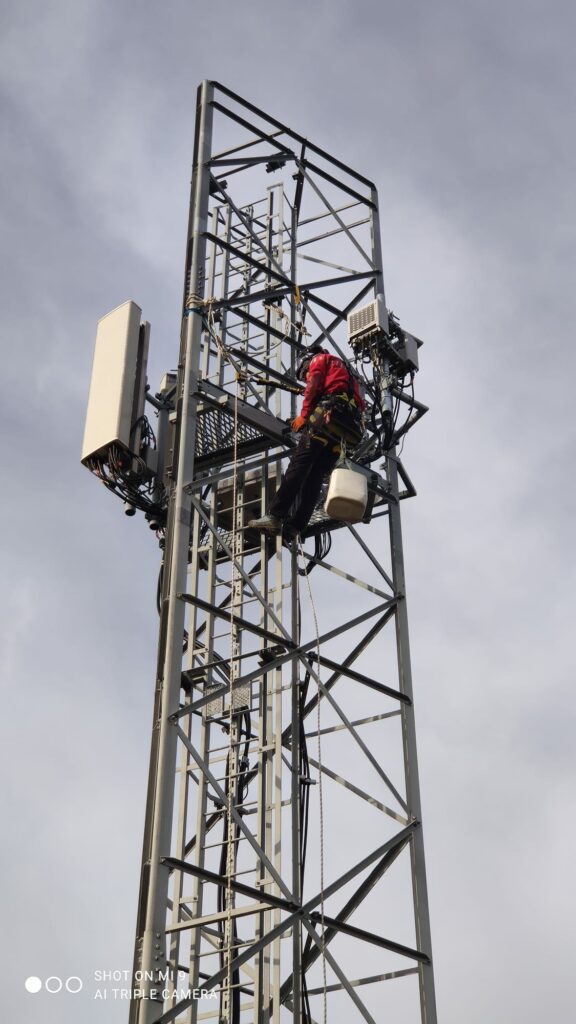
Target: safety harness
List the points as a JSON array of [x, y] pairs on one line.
[[337, 418]]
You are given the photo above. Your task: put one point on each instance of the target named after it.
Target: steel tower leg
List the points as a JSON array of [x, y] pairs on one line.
[[419, 884], [150, 956]]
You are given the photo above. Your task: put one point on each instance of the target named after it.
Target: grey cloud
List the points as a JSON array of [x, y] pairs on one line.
[[462, 114]]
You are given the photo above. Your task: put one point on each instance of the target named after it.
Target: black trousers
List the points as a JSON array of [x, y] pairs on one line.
[[302, 481]]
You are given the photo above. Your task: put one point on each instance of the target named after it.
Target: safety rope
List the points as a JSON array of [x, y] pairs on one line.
[[195, 304], [198, 304], [232, 773], [288, 323], [320, 791]]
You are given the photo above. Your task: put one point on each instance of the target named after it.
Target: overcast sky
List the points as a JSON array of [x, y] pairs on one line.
[[463, 114]]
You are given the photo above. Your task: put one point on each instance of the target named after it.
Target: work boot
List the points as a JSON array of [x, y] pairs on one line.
[[267, 524]]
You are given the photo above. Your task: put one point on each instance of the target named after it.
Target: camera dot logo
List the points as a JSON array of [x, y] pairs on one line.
[[54, 984]]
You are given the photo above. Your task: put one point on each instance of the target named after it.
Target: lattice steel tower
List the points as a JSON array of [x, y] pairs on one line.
[[283, 861]]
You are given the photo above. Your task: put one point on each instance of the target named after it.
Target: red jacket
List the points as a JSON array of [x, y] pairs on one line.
[[328, 375]]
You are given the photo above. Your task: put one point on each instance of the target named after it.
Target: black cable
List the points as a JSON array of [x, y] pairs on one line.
[[304, 773], [241, 791], [401, 430], [159, 588], [118, 475], [127, 474], [304, 795], [306, 1001], [148, 434], [305, 780], [322, 545]]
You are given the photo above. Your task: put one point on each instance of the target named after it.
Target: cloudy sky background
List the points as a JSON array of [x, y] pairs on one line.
[[463, 115]]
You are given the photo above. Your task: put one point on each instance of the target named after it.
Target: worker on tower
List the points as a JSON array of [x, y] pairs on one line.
[[331, 413]]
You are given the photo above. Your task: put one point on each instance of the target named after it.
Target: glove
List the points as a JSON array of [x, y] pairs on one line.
[[297, 424]]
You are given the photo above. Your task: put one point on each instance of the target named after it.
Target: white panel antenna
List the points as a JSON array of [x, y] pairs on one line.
[[118, 383]]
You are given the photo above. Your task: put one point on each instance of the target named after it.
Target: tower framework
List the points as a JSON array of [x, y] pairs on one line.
[[283, 862]]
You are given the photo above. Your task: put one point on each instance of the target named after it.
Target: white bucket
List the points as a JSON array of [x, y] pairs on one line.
[[347, 495]]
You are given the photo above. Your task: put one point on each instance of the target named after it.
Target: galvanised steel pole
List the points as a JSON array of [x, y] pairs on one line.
[[150, 954], [419, 885]]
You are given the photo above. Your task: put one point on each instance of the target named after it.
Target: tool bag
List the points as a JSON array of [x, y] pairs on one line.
[[337, 417]]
